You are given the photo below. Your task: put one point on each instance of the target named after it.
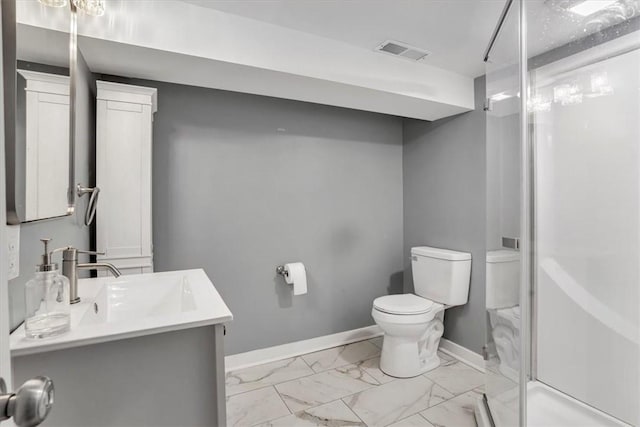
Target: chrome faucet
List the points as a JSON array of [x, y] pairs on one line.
[[70, 269]]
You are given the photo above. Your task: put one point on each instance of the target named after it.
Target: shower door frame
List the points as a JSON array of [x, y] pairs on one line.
[[527, 227]]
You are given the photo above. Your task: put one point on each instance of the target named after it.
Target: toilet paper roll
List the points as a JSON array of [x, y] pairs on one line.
[[296, 275]]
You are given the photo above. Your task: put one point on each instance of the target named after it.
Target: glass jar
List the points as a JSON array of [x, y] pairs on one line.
[[47, 305]]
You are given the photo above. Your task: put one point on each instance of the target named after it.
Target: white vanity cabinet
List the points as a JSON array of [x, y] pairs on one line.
[[124, 120]]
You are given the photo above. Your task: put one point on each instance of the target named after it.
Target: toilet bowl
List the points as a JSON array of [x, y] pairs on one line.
[[505, 331], [412, 329], [413, 323]]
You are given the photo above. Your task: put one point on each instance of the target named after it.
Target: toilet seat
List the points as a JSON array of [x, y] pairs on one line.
[[405, 319], [403, 304]]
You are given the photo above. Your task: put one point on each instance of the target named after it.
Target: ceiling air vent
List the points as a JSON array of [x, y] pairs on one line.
[[402, 50]]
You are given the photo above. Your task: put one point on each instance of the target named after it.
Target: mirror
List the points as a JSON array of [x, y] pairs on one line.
[[40, 136]]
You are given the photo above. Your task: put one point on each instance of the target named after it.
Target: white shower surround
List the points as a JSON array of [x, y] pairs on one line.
[[588, 246]]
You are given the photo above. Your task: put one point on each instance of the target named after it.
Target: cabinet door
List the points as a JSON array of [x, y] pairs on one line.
[[46, 155], [123, 153]]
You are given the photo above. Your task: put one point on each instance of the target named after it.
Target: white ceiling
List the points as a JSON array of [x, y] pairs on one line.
[[310, 50], [215, 49], [456, 32]]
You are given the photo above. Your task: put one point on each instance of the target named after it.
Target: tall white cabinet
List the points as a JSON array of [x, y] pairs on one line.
[[123, 173], [46, 150]]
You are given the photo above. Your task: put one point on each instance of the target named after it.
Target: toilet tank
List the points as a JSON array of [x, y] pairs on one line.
[[441, 275], [503, 278]]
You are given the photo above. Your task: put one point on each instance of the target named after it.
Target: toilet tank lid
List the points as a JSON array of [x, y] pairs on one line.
[[440, 253], [502, 255]]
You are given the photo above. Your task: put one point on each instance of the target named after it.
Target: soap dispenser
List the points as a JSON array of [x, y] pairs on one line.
[[47, 300]]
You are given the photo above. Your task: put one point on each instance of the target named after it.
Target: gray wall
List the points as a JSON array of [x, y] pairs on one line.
[[444, 205], [243, 183], [67, 230]]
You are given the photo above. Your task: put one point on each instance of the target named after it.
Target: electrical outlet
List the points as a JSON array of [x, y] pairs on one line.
[[13, 251]]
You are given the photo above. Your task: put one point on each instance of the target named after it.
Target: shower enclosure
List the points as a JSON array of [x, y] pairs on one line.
[[563, 215]]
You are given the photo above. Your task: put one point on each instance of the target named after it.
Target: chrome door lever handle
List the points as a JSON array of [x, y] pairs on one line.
[[30, 404]]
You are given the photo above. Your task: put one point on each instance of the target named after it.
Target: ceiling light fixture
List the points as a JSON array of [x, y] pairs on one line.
[[589, 7], [90, 7]]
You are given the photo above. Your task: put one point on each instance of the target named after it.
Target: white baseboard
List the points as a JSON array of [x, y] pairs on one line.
[[463, 354], [285, 351]]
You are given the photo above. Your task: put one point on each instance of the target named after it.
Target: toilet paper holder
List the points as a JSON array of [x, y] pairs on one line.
[[294, 274], [281, 271]]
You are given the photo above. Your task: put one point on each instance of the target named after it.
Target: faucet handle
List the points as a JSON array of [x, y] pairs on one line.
[[90, 252], [70, 253], [64, 248]]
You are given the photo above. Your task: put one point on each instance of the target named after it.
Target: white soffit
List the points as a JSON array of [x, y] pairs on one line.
[[177, 42], [456, 32]]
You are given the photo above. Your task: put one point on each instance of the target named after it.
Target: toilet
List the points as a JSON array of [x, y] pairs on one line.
[[413, 323], [503, 297]]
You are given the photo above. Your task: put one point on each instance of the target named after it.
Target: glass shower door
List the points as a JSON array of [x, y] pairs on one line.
[[503, 353], [563, 175]]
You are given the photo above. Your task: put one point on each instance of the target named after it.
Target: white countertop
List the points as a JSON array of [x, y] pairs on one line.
[[205, 307]]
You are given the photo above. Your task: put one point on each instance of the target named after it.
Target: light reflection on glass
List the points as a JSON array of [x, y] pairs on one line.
[[90, 7], [539, 103], [54, 3], [567, 94], [600, 84]]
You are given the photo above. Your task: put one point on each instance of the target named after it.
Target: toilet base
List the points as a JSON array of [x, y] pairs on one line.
[[406, 357], [505, 332], [390, 366]]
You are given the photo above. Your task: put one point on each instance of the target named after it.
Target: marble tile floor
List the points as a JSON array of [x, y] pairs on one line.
[[343, 386]]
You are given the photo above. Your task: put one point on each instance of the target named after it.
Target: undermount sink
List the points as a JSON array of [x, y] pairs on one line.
[[133, 306], [134, 297]]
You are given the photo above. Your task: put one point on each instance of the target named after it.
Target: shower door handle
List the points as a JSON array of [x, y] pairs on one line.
[[511, 243], [488, 104]]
